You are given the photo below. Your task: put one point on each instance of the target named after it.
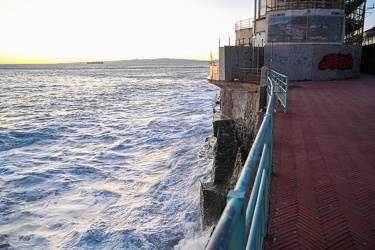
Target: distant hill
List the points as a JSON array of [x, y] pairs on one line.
[[160, 61]]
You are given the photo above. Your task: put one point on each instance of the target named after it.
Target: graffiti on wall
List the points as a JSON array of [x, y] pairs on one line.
[[303, 61], [336, 61]]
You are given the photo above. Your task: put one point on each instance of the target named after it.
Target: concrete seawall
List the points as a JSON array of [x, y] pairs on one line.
[[234, 129]]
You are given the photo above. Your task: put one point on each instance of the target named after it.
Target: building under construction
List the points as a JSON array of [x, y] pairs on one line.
[[305, 40]]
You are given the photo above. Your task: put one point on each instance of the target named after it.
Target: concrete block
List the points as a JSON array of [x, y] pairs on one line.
[[212, 204]]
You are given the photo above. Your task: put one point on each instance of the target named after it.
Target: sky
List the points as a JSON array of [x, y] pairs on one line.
[[55, 31], [370, 15]]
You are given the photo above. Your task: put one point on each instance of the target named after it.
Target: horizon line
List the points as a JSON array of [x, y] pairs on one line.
[[104, 61]]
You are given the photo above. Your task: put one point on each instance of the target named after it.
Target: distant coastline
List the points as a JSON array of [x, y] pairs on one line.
[[160, 61], [130, 61], [95, 62]]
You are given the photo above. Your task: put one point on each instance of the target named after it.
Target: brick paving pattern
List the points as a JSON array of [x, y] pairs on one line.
[[322, 193]]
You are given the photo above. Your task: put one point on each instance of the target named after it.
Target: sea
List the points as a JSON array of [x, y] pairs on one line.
[[104, 156]]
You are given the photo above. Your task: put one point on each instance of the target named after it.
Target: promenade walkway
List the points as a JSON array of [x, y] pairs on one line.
[[322, 194]]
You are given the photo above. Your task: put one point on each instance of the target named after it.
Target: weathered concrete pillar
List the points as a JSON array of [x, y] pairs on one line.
[[238, 166], [213, 194], [224, 152], [212, 203]]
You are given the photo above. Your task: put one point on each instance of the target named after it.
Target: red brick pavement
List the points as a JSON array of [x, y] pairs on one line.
[[323, 183]]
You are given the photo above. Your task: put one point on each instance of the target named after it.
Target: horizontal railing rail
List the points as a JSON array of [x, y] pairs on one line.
[[312, 4], [246, 74], [243, 223]]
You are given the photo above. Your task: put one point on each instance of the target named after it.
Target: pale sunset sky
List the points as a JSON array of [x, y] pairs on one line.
[[54, 31], [49, 31]]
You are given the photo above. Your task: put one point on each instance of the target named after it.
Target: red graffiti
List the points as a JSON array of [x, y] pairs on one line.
[[336, 61]]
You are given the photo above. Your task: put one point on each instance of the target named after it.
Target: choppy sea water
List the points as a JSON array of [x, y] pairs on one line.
[[103, 156]]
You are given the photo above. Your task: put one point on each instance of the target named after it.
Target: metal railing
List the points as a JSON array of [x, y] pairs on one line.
[[244, 24], [310, 4], [243, 223], [243, 41], [246, 74], [280, 85], [367, 40]]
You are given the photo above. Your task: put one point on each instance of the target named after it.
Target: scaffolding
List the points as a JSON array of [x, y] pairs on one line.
[[354, 21]]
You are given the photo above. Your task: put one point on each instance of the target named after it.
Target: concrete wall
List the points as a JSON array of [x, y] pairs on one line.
[[317, 62], [234, 58], [243, 36], [231, 58], [240, 106], [261, 25]]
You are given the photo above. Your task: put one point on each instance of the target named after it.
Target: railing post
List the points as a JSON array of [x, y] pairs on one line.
[[263, 87], [286, 95], [268, 170], [253, 243], [238, 237]]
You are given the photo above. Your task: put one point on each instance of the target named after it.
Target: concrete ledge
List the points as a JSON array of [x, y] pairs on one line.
[[236, 85]]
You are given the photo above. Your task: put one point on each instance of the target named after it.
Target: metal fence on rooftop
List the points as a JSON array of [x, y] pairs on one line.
[[244, 24]]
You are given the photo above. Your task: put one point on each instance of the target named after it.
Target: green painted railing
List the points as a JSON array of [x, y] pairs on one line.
[[280, 84], [243, 223]]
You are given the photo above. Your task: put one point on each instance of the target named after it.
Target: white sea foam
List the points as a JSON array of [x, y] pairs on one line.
[[103, 156]]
